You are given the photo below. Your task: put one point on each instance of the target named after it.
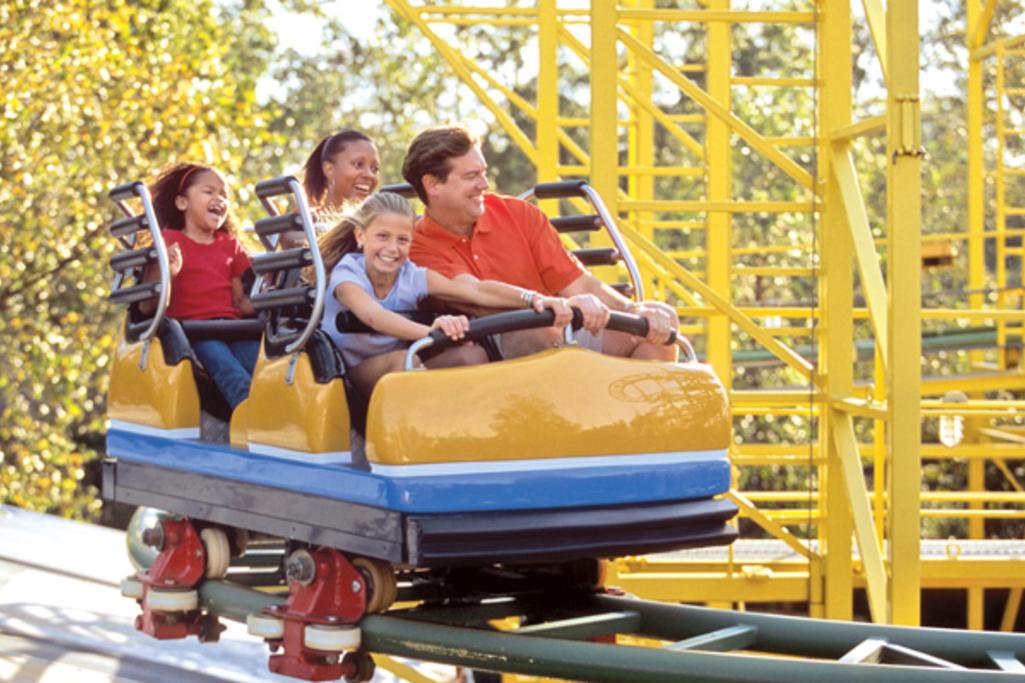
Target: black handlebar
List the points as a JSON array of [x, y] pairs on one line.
[[557, 190], [531, 319]]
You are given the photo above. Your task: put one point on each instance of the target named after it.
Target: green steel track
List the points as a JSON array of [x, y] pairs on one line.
[[697, 644]]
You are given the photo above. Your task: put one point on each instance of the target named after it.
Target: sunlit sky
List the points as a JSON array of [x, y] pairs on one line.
[[301, 32]]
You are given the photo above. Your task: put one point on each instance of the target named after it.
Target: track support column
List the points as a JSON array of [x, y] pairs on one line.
[[604, 101], [836, 359], [904, 249]]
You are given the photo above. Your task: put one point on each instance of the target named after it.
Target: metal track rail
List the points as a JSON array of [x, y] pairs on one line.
[[693, 644]]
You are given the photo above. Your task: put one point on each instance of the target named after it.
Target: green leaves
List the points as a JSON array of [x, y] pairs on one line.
[[95, 93]]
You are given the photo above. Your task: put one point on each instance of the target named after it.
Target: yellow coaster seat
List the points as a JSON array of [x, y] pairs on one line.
[[297, 406]]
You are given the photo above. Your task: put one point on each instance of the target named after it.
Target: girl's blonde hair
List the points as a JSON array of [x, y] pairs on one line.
[[341, 239]]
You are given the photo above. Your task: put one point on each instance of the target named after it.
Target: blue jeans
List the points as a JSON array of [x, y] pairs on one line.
[[230, 365]]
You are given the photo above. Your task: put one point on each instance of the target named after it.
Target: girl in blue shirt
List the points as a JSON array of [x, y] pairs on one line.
[[379, 279]]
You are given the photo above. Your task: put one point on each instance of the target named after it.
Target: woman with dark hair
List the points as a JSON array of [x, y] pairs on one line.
[[342, 169]]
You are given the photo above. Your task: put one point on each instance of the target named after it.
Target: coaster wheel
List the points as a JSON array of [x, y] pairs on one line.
[[362, 666], [331, 638], [140, 554], [218, 552], [132, 588], [264, 626], [166, 600], [382, 588], [588, 574]]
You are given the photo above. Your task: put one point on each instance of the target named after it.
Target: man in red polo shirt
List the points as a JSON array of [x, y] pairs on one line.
[[469, 233]]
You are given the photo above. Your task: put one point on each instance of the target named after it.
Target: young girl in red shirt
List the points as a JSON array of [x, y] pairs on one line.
[[207, 262]]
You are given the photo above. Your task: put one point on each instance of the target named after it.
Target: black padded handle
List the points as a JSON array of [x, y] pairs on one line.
[[137, 258], [581, 223], [277, 298], [126, 191], [273, 261], [599, 256], [274, 186], [633, 324], [499, 324], [134, 294], [404, 189], [564, 188], [227, 330], [349, 322], [275, 225], [126, 226]]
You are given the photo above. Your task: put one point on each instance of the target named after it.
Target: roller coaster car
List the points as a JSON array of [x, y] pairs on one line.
[[563, 455]]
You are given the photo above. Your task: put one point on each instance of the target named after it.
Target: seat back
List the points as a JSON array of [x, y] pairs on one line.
[[151, 379], [297, 402]]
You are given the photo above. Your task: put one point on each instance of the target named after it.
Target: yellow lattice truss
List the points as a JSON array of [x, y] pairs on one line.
[[865, 530]]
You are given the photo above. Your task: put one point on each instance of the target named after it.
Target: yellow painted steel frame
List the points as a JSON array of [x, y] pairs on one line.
[[565, 402], [144, 390], [288, 409], [616, 43]]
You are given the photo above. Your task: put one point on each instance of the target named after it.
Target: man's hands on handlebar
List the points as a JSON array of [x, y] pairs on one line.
[[594, 311], [558, 305], [662, 320]]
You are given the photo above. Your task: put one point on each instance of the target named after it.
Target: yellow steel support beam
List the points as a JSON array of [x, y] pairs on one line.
[[904, 190], [1010, 616], [642, 131], [836, 353], [783, 352], [864, 528], [404, 671], [718, 236], [716, 14], [698, 206], [869, 126], [990, 49], [864, 250], [638, 97], [604, 62], [751, 511], [546, 125], [875, 14], [457, 62], [978, 25], [716, 108]]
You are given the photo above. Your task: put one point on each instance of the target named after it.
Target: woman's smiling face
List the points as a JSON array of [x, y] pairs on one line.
[[352, 174]]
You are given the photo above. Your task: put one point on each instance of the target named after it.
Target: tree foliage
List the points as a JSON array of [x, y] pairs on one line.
[[95, 93]]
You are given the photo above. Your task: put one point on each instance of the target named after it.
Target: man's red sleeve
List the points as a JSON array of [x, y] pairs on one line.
[[557, 267]]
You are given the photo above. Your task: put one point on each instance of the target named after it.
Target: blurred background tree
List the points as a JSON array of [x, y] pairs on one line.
[[96, 93]]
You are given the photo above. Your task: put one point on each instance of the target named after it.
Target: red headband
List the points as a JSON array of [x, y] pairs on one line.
[[181, 183]]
